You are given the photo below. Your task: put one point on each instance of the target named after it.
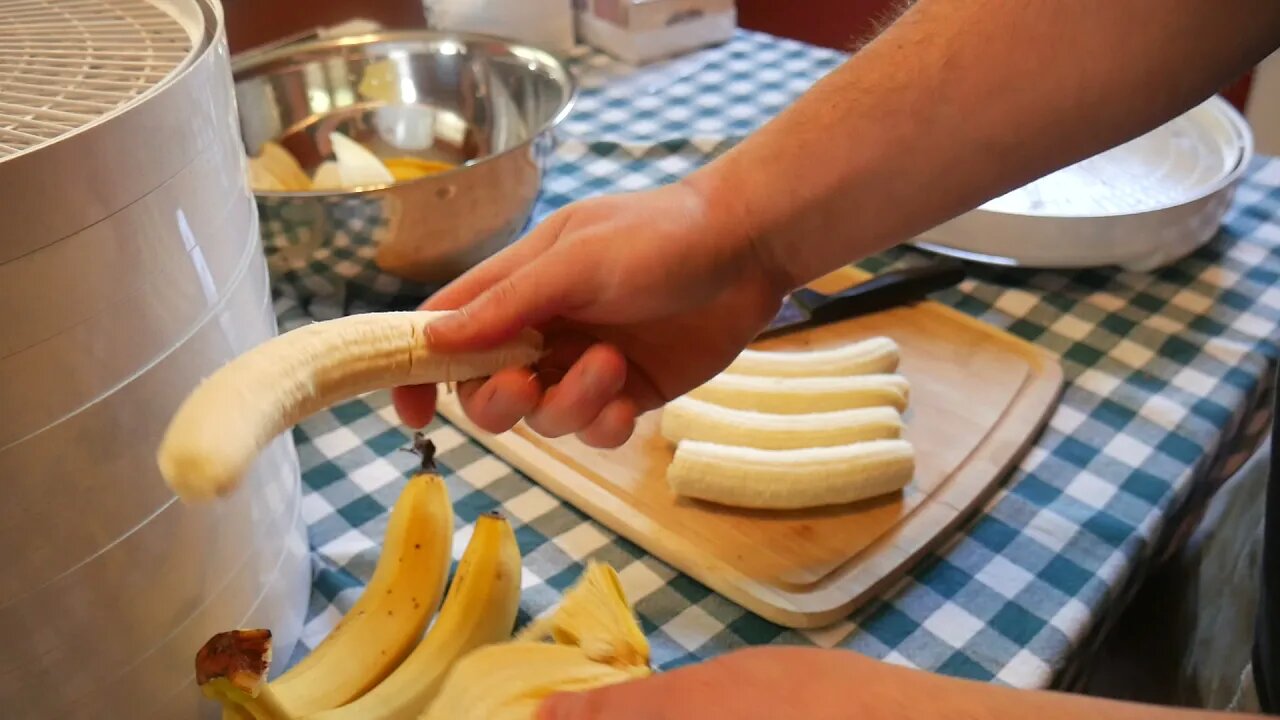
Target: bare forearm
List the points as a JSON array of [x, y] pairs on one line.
[[962, 100], [916, 695]]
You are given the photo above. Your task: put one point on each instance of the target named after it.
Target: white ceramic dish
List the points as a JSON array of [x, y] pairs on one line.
[[77, 486], [1141, 205]]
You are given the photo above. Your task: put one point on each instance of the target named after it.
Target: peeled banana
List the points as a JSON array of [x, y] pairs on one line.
[[509, 681], [797, 395], [480, 609], [687, 418], [871, 356], [790, 479], [387, 620], [228, 418]]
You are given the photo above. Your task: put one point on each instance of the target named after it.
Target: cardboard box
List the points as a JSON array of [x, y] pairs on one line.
[[640, 31]]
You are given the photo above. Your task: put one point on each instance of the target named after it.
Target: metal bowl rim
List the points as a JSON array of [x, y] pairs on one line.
[[246, 64]]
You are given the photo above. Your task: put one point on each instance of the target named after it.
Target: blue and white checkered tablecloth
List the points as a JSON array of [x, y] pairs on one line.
[[1163, 371]]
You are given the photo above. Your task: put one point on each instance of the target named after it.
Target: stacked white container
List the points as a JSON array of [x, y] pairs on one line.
[[130, 268]]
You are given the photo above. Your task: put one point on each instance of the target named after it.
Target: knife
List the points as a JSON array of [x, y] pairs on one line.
[[805, 308]]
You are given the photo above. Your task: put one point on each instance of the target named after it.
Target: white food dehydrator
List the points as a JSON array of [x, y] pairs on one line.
[[130, 268]]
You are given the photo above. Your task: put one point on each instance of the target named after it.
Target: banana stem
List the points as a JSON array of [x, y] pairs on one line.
[[426, 449], [232, 669], [266, 706]]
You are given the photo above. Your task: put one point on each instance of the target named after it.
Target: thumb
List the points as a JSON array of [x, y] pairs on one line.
[[529, 297], [560, 706], [584, 705]]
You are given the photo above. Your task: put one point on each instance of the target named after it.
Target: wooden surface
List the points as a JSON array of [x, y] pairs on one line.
[[978, 398]]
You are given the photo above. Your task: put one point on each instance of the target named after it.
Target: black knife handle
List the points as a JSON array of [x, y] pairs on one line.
[[882, 292]]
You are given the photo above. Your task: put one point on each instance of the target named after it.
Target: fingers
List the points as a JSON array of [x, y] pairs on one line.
[[532, 295], [593, 381], [497, 403], [613, 426], [588, 395], [415, 404], [612, 702], [516, 288], [499, 266]]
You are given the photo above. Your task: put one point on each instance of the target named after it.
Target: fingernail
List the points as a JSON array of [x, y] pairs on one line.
[[591, 379], [434, 329]]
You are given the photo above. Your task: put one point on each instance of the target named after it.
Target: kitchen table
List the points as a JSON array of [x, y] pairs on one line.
[[1164, 373]]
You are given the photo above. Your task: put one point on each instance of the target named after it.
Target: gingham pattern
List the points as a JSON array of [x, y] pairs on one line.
[[1162, 370]]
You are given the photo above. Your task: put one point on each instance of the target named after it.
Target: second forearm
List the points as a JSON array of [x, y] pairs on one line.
[[961, 101], [887, 690]]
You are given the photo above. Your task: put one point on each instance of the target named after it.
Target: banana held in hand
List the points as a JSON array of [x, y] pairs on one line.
[[795, 395], [790, 479], [225, 422], [510, 680], [864, 357], [687, 418], [480, 609], [387, 620]]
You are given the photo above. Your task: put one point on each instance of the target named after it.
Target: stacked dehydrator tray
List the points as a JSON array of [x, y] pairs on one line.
[[130, 268]]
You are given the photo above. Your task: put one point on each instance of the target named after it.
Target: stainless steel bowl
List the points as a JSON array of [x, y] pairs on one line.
[[487, 105]]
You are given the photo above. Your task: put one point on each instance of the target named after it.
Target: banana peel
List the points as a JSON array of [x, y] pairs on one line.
[[596, 616], [509, 681], [597, 641]]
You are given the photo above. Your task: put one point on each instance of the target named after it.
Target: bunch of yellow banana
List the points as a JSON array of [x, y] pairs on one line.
[[468, 665], [373, 664]]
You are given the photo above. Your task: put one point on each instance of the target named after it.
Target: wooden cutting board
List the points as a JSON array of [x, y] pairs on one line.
[[979, 397]]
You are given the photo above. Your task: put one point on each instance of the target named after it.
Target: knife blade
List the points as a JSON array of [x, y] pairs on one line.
[[805, 308]]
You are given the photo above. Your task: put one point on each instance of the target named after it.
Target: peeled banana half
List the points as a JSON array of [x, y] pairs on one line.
[[794, 430], [790, 479], [510, 681], [794, 395], [222, 426], [871, 356]]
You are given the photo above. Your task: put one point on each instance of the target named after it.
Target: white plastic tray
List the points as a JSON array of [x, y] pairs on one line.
[[1140, 205]]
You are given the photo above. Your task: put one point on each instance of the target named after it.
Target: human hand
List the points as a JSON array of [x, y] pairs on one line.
[[767, 683], [786, 683], [641, 297]]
